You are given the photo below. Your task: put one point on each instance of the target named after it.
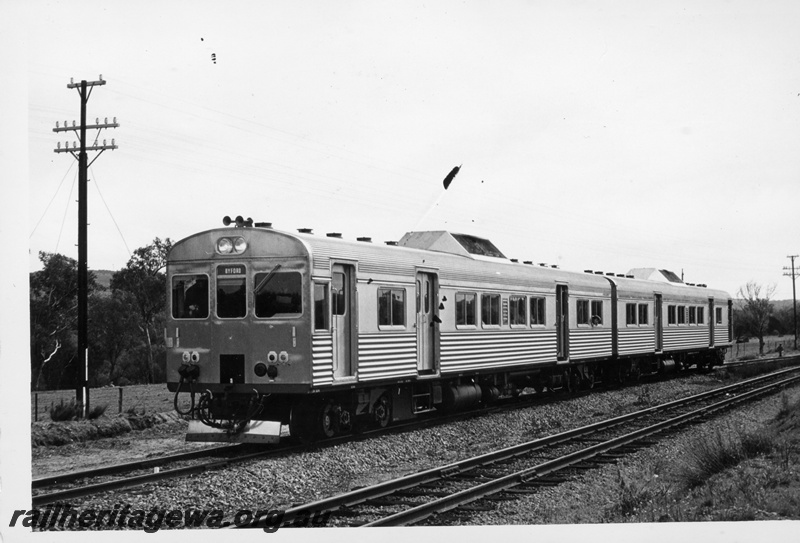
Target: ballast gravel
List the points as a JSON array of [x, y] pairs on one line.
[[278, 483]]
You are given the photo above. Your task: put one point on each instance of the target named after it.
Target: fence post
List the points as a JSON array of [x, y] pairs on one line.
[[36, 407], [120, 399]]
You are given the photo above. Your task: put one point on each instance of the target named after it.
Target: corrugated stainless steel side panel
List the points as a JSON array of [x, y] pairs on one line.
[[466, 351], [685, 338], [322, 355], [381, 356], [721, 335], [636, 340], [589, 343]]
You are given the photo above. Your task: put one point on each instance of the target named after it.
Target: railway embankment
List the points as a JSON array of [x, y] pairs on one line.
[[50, 433]]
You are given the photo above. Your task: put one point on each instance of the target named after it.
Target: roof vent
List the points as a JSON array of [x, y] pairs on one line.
[[365, 239], [305, 230], [514, 260], [588, 271], [337, 235], [598, 273], [610, 273], [392, 243], [263, 225], [554, 266], [529, 262]]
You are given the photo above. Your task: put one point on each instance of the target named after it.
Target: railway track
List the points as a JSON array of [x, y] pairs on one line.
[[470, 484], [51, 489]]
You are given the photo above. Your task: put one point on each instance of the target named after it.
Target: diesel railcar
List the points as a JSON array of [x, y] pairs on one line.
[[272, 331]]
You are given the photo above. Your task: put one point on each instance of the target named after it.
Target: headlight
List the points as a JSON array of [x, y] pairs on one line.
[[224, 246], [239, 245], [186, 357]]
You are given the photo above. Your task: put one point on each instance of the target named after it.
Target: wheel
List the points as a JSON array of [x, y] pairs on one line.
[[346, 420], [300, 423], [383, 411], [329, 419], [538, 384]]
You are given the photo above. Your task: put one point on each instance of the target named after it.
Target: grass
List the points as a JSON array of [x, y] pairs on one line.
[[136, 399], [728, 474], [71, 411]]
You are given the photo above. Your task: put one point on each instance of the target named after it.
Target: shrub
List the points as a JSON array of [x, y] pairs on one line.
[[719, 451], [136, 411], [64, 411], [96, 411]]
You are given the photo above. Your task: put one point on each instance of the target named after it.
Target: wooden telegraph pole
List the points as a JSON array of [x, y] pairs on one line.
[[793, 275], [84, 90]]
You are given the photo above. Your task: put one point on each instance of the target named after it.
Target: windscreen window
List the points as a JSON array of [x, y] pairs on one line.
[[278, 294], [231, 292], [189, 297]]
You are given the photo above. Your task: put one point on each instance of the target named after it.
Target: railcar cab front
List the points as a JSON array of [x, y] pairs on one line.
[[239, 312]]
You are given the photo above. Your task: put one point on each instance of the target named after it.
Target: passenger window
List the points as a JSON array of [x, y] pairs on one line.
[[582, 312], [643, 314], [338, 297], [630, 314], [465, 308], [391, 307], [490, 309], [597, 312], [537, 311], [190, 296], [517, 310], [321, 307]]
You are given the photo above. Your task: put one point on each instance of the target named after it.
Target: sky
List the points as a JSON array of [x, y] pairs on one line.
[[592, 135], [604, 135]]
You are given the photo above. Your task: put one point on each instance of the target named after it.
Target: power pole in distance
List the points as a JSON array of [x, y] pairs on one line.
[[793, 275], [84, 90]]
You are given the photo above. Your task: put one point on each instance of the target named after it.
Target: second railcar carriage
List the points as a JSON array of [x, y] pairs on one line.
[[274, 328]]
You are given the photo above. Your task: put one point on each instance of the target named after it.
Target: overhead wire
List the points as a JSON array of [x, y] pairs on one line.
[[110, 214], [66, 208], [51, 200]]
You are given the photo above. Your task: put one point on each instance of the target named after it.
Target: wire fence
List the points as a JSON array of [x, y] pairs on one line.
[[133, 398], [750, 348]]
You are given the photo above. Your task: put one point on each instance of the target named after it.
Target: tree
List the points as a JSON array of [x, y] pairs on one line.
[[144, 284], [112, 319], [756, 310], [54, 300]]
